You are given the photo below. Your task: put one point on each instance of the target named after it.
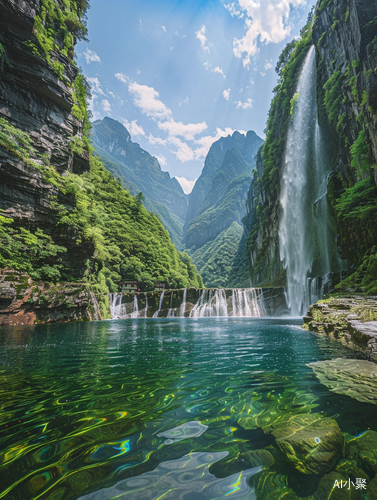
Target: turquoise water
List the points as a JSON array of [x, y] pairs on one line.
[[156, 409]]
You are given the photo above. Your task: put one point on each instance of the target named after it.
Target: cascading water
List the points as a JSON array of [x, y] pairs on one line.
[[304, 228], [155, 315], [235, 302]]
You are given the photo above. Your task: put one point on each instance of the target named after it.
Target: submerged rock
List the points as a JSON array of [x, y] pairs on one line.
[[351, 377], [313, 443], [364, 448], [330, 488]]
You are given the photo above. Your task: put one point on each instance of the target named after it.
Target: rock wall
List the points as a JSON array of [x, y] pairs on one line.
[[24, 302], [35, 99]]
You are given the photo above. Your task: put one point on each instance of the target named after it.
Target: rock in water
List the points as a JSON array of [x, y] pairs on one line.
[[311, 442], [351, 377]]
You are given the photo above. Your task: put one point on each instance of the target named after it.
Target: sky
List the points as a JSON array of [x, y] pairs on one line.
[[180, 74]]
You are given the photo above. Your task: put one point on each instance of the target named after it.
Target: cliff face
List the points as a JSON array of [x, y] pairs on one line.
[[344, 34], [37, 100]]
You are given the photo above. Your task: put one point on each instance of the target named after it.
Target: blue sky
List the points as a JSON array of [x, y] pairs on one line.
[[182, 73]]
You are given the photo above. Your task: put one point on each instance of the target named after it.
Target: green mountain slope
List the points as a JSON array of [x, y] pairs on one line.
[[169, 219], [222, 193], [215, 259], [140, 172]]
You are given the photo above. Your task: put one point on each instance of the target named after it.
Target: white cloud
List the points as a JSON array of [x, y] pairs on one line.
[[248, 104], [133, 128], [200, 35], [147, 99], [251, 81], [185, 101], [183, 152], [161, 160], [138, 72], [226, 94], [164, 28], [231, 7], [263, 74], [219, 70], [156, 140], [207, 65], [95, 85], [267, 21], [268, 65], [122, 77], [206, 142], [106, 106], [188, 131], [186, 185], [91, 56]]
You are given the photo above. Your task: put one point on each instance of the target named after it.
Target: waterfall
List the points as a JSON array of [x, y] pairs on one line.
[[135, 312], [304, 229], [242, 303], [216, 303], [182, 309], [155, 315]]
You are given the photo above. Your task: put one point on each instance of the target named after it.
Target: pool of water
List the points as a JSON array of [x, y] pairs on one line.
[[162, 409]]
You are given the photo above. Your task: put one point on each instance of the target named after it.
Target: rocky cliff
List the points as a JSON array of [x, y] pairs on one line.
[[344, 34], [37, 96]]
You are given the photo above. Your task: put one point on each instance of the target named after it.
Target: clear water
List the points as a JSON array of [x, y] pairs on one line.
[[149, 409]]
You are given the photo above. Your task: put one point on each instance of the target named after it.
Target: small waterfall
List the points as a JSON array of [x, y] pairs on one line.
[[155, 315], [216, 303], [97, 313], [146, 306], [135, 312], [242, 302], [182, 309]]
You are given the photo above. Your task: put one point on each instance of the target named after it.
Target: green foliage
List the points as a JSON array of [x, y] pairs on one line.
[[216, 258], [360, 154], [356, 212], [294, 102], [33, 253], [58, 26], [15, 141], [81, 96], [333, 97]]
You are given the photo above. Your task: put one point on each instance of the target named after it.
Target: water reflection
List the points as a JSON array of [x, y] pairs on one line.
[[89, 408]]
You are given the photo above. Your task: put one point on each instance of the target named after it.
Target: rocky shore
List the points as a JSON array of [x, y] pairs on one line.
[[351, 319], [24, 302]]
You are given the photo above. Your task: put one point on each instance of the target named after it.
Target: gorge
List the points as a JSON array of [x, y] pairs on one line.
[[152, 343]]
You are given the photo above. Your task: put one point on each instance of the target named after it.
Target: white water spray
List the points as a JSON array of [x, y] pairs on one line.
[[303, 194]]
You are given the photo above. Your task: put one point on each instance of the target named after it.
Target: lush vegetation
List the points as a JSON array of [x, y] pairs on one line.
[[215, 259], [129, 242]]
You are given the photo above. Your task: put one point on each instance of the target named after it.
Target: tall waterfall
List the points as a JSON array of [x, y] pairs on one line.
[[303, 226]]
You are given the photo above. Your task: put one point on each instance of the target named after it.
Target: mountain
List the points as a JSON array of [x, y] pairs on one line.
[[69, 232], [140, 172], [217, 204]]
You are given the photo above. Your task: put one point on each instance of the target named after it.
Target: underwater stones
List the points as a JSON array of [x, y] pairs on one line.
[[270, 485], [327, 489], [364, 447], [350, 377], [311, 442], [242, 461]]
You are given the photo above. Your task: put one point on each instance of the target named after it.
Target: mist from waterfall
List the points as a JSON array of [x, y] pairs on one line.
[[303, 224]]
